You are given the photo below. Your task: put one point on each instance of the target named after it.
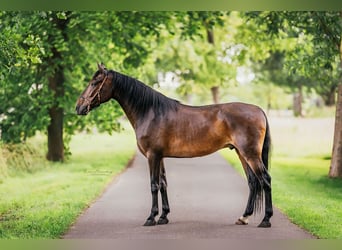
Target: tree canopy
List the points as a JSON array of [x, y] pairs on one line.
[[48, 57], [316, 58]]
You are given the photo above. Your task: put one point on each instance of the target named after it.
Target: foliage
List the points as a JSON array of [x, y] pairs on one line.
[[311, 53], [21, 90], [198, 63], [192, 23], [49, 56], [36, 45]]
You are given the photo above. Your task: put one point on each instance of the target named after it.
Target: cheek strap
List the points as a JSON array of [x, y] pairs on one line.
[[97, 94]]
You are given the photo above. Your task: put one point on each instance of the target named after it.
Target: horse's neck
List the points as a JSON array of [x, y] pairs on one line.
[[139, 100], [129, 114], [126, 102]]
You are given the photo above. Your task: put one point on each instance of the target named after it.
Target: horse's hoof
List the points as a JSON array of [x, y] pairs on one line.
[[149, 223], [241, 222], [265, 224], [163, 221]]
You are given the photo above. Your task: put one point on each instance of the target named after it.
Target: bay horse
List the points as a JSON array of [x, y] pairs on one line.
[[166, 128]]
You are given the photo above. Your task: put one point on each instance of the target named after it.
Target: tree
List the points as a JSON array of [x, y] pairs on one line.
[[55, 53], [213, 67], [325, 29], [50, 55], [266, 54], [21, 87], [274, 70], [180, 57], [199, 62]]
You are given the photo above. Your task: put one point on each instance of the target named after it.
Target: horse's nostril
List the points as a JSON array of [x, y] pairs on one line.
[[81, 110]]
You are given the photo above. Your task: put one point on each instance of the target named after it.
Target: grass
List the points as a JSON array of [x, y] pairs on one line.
[[43, 204], [299, 168]]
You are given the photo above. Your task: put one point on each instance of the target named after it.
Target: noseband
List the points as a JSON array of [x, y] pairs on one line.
[[97, 94]]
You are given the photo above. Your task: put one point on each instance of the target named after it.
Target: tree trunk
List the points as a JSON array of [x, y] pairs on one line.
[[210, 35], [215, 93], [55, 128], [56, 86], [214, 89], [55, 135], [330, 98], [336, 159], [297, 103]]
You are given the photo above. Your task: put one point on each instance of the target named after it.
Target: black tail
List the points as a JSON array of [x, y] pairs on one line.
[[266, 148]]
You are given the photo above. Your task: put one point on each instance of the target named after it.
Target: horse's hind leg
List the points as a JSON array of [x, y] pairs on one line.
[[163, 190], [268, 200], [243, 220], [262, 185]]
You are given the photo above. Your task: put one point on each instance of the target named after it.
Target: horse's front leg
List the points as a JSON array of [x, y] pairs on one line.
[[154, 166], [163, 190]]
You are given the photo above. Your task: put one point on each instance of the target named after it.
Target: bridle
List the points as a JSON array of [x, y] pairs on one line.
[[97, 94]]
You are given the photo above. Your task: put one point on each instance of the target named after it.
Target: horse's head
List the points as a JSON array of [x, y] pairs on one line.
[[99, 90]]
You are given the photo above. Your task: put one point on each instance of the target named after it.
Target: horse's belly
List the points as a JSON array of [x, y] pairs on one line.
[[185, 147]]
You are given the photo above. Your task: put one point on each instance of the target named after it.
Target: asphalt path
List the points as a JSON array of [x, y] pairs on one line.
[[206, 196]]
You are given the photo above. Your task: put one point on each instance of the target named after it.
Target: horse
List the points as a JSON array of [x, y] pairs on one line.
[[164, 127]]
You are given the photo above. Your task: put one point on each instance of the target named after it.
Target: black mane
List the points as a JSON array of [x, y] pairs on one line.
[[141, 97]]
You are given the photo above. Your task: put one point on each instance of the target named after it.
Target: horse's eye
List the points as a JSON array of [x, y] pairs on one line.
[[93, 84]]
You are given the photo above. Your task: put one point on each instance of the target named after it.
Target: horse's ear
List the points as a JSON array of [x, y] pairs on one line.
[[101, 67]]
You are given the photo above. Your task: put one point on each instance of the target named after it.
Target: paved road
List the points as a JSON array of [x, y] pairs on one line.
[[206, 197]]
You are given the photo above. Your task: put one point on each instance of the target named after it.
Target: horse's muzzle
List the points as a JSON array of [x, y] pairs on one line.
[[82, 110]]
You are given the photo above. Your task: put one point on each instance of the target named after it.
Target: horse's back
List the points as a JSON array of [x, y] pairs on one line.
[[238, 108], [234, 113]]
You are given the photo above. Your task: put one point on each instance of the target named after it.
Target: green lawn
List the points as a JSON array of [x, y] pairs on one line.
[[43, 204], [299, 169]]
